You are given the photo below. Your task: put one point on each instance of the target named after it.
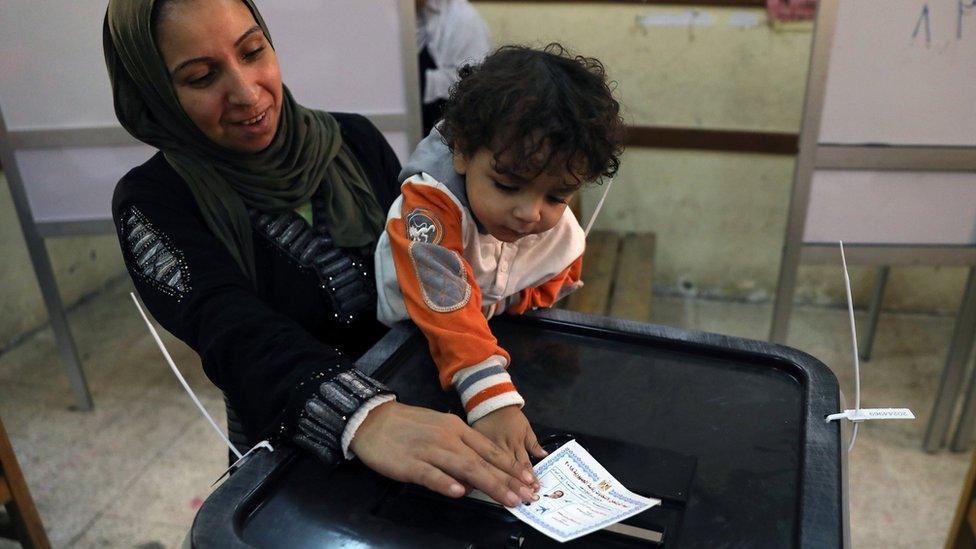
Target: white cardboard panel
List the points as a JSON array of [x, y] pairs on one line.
[[340, 55], [884, 86], [53, 71], [74, 184], [871, 207], [400, 142]]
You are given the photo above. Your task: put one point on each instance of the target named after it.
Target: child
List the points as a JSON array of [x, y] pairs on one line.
[[481, 226]]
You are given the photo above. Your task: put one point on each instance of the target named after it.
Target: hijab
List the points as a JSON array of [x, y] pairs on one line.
[[306, 153]]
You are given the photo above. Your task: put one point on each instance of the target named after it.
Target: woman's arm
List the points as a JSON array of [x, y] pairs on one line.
[[265, 362], [268, 365]]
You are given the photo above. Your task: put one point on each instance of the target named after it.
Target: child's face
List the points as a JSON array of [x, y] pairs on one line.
[[510, 208]]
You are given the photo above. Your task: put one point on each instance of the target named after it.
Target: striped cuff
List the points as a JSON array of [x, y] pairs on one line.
[[322, 423], [486, 387]]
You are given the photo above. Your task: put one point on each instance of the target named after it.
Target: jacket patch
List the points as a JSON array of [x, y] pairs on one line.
[[423, 226], [440, 272], [153, 257]]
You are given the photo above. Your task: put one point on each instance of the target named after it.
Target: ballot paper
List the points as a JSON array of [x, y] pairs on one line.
[[578, 496]]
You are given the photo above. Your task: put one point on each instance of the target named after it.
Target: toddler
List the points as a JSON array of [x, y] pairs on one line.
[[481, 226]]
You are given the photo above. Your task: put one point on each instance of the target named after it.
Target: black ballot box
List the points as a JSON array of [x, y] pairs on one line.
[[729, 433]]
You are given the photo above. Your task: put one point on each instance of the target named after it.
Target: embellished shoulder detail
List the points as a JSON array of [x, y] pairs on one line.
[[343, 277], [153, 256]]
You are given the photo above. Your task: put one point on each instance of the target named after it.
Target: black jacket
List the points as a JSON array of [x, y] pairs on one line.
[[260, 346]]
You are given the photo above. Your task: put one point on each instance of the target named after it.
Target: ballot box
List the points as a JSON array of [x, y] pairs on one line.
[[729, 433]]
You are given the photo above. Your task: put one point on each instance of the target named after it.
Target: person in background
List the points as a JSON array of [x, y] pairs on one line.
[[450, 34]]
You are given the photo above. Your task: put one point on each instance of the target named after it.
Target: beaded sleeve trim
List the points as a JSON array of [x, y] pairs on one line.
[[325, 415], [342, 275], [153, 257]]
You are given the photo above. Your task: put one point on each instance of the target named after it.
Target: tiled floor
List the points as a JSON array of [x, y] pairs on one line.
[[132, 472]]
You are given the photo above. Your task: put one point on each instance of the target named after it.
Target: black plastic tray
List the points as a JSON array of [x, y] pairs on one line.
[[730, 433]]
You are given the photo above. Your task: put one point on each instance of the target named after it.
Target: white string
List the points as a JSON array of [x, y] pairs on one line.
[[589, 224], [179, 376], [857, 362], [599, 206]]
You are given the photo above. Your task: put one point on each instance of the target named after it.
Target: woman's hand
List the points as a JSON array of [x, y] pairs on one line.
[[439, 451]]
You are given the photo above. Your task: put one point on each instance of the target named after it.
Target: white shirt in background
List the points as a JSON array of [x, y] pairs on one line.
[[454, 34]]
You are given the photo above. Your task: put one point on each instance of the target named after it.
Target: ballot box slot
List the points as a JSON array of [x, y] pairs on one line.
[[463, 519], [648, 471], [623, 532], [480, 521]]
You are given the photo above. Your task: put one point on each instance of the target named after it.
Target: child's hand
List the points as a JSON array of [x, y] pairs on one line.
[[509, 428]]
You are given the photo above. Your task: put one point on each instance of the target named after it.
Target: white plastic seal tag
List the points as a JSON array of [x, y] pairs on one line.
[[865, 414], [264, 444], [858, 414]]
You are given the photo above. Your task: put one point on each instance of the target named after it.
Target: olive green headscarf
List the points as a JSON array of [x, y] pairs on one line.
[[307, 149]]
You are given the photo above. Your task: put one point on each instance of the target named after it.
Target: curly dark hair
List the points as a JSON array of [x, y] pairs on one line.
[[535, 107]]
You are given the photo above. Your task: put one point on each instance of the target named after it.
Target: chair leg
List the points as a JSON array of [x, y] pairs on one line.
[[26, 522], [880, 281], [962, 440]]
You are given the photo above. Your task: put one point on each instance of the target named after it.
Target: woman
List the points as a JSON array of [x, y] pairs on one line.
[[250, 234]]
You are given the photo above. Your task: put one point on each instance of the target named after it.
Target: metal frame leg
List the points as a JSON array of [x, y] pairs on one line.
[[783, 303], [62, 331], [880, 282], [966, 430], [962, 441], [954, 370], [45, 275]]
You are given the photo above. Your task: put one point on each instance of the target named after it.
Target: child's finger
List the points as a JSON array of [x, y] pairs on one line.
[[533, 446], [523, 457]]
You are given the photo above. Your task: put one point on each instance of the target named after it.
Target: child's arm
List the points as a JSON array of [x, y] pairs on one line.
[[443, 299], [551, 291]]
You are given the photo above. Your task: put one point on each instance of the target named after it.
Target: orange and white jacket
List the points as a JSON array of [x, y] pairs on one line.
[[436, 266]]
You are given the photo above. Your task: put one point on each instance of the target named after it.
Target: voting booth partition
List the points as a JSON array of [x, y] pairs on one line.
[[887, 163], [63, 150], [728, 433]]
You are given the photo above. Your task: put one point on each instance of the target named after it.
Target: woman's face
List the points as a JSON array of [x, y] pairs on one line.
[[224, 71]]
